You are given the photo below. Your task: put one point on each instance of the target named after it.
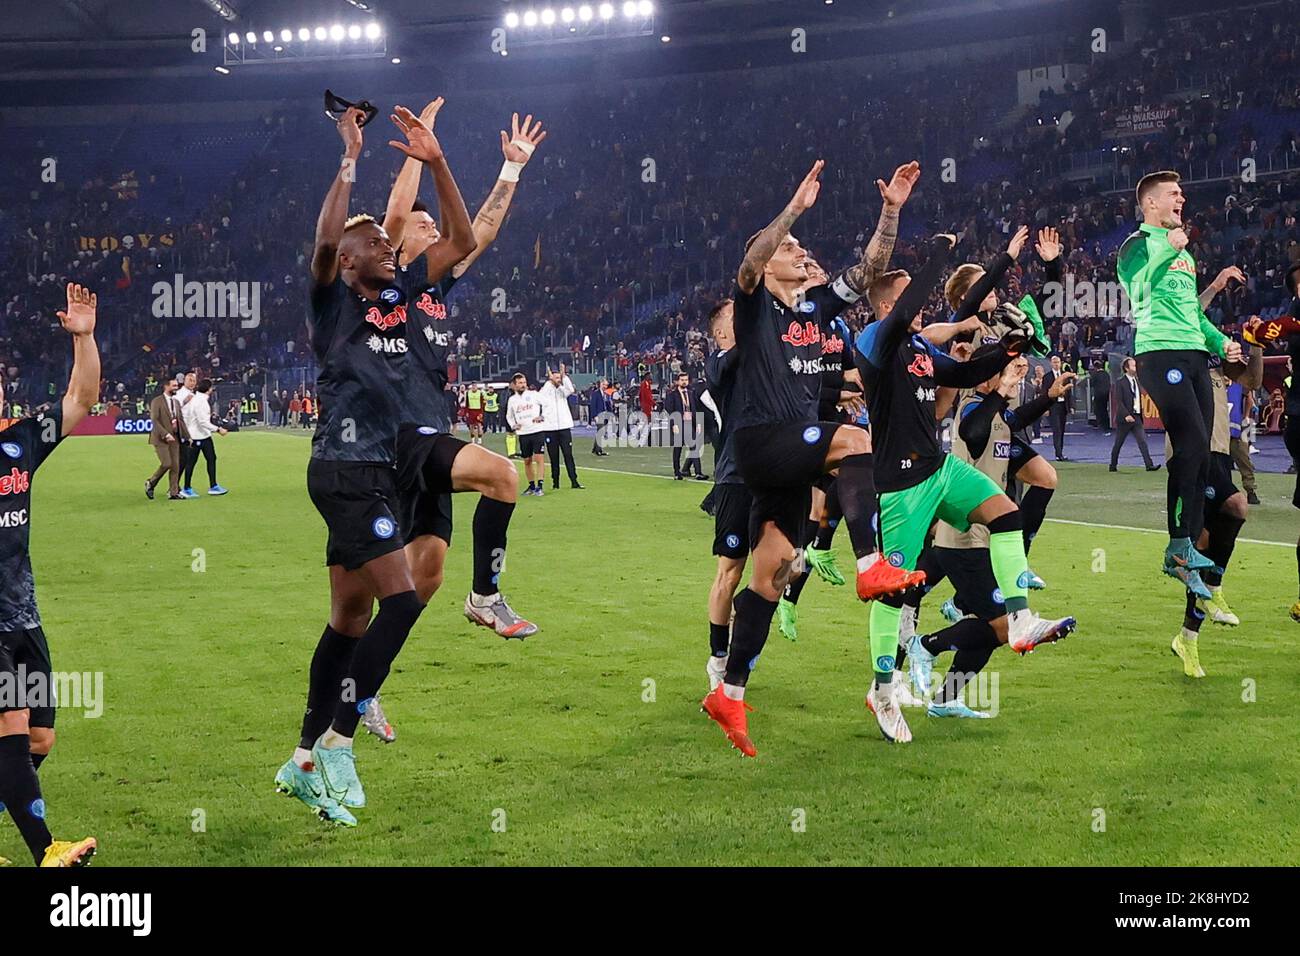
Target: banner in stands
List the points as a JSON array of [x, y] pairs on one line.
[[128, 242], [1143, 119]]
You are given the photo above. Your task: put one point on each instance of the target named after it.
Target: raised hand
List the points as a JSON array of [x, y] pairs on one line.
[[806, 195], [1064, 382], [900, 186], [420, 142], [1048, 245], [429, 115], [79, 318], [350, 130], [530, 132], [1017, 242], [1226, 275]]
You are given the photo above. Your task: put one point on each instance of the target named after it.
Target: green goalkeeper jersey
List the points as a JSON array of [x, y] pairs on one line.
[[1161, 285]]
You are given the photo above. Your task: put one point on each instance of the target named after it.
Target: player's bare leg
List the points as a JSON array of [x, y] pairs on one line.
[[725, 583]]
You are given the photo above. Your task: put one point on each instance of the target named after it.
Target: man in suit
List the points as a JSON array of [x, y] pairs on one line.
[[1060, 409], [1128, 405], [1100, 384], [166, 436], [683, 409]]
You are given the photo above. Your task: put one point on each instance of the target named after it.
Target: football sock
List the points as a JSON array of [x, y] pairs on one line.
[[1223, 530], [719, 639], [883, 622], [858, 499], [831, 515], [795, 588], [748, 634], [928, 563], [1193, 617], [1033, 508], [491, 522], [1007, 552], [37, 760], [970, 633], [329, 665], [20, 791], [374, 657]]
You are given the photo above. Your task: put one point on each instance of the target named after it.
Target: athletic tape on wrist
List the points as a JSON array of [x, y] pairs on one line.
[[510, 171]]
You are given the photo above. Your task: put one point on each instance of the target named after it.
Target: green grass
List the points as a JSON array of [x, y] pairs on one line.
[[205, 675]]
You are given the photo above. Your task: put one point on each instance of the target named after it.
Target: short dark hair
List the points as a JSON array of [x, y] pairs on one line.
[[204, 386], [1151, 180], [418, 206], [715, 313], [877, 288]]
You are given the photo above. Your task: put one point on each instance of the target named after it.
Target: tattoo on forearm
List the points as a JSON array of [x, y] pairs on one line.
[[490, 213], [765, 245], [875, 258]]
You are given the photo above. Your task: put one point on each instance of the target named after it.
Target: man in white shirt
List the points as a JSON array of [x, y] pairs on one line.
[[524, 416], [197, 414], [1128, 414], [554, 396]]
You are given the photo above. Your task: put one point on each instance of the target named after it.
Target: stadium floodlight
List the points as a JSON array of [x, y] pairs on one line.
[[250, 36], [321, 33], [665, 39], [374, 31], [396, 60], [354, 32], [645, 8], [530, 18], [585, 13], [277, 48], [222, 70], [567, 14], [304, 34], [548, 16], [512, 20], [286, 36], [268, 36], [607, 11], [233, 39], [629, 9], [337, 32]]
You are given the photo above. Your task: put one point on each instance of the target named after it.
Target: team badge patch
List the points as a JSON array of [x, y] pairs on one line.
[[37, 808], [997, 596], [885, 663], [427, 430], [1173, 376], [390, 295], [384, 527], [1209, 492], [12, 449], [811, 434], [807, 307], [896, 558], [733, 541]]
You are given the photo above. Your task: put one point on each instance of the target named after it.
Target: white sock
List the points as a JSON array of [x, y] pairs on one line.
[[302, 757], [1189, 635], [733, 691], [333, 740], [867, 560]]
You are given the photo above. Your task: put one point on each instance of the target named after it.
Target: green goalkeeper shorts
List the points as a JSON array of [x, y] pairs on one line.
[[950, 494]]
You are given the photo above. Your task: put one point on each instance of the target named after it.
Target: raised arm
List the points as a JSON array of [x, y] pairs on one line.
[[518, 150], [875, 258], [893, 327], [458, 237], [407, 185], [83, 385], [993, 273], [766, 242], [334, 212], [1219, 284]]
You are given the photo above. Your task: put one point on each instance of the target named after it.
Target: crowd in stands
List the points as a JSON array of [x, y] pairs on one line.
[[631, 218]]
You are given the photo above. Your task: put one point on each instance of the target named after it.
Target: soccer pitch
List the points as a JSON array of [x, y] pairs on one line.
[[585, 743]]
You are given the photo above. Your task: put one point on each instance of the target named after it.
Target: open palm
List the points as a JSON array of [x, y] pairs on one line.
[[79, 317]]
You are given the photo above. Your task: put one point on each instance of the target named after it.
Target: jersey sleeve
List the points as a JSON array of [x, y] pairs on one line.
[[1142, 262], [831, 300], [718, 367], [746, 308], [323, 311], [29, 442]]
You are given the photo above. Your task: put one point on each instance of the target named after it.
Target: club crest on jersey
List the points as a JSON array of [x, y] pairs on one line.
[[811, 434], [427, 430], [390, 295], [896, 558], [1173, 376], [733, 541], [435, 310], [1209, 492], [385, 321], [384, 527], [12, 449], [807, 308], [922, 366], [802, 334], [997, 596]]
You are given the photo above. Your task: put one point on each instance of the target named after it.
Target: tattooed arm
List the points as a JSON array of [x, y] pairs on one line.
[[875, 258], [488, 220], [769, 240]]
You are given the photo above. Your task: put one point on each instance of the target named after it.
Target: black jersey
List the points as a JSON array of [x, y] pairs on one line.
[[781, 352], [23, 446], [837, 358], [720, 376], [365, 370], [429, 402]]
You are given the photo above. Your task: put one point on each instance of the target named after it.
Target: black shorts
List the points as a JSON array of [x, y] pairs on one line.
[[359, 502], [1021, 454], [1220, 487], [780, 464], [24, 654], [971, 572], [731, 507], [424, 459], [424, 512], [534, 444], [1292, 437]]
